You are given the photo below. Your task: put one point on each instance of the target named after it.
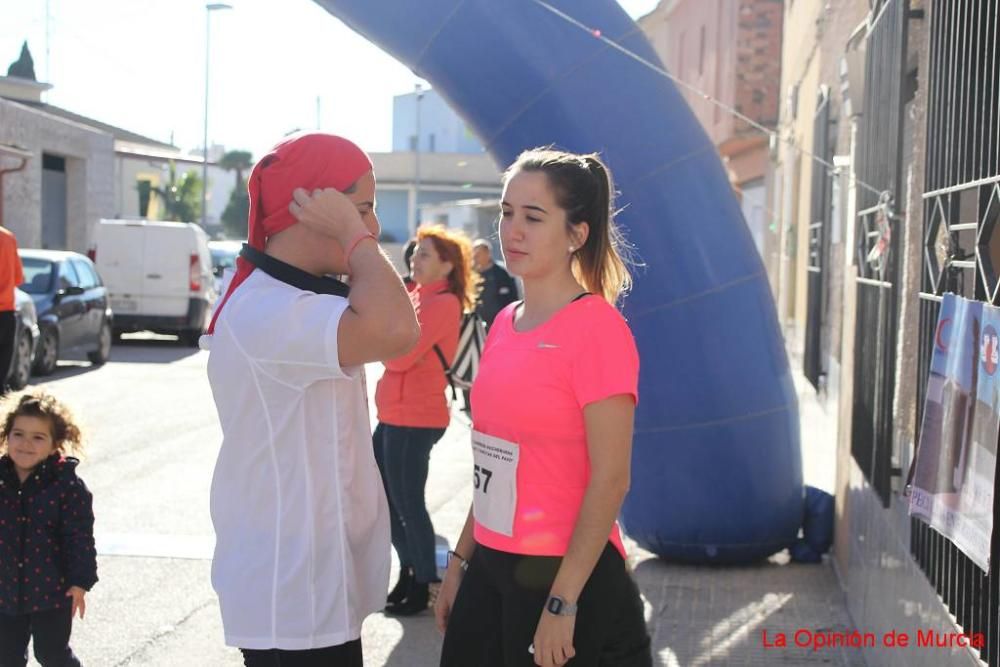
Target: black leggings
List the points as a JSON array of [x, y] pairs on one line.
[[501, 598], [50, 629], [342, 655], [8, 340]]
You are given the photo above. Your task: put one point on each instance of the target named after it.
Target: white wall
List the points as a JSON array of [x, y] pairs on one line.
[[129, 169]]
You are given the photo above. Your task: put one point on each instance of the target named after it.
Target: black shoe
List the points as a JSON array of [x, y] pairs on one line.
[[415, 602], [398, 592]]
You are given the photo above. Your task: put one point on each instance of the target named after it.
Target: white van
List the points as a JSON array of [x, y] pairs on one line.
[[158, 275]]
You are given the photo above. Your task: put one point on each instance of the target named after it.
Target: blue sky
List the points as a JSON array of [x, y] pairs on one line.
[[139, 64]]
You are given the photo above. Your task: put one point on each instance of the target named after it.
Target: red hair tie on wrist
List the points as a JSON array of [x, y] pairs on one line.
[[354, 244]]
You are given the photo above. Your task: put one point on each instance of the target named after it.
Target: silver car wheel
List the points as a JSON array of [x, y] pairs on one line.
[[103, 352], [47, 355], [21, 370]]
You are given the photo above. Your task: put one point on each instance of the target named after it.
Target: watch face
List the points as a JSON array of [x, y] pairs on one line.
[[555, 605]]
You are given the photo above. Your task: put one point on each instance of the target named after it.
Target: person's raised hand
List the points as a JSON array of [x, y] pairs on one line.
[[327, 212]]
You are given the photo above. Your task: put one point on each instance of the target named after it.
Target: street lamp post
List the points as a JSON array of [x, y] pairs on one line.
[[418, 91], [209, 8]]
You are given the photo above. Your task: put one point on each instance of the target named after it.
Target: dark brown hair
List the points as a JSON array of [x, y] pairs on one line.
[[584, 188], [66, 434]]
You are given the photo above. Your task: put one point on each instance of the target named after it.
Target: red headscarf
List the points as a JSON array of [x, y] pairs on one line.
[[309, 161]]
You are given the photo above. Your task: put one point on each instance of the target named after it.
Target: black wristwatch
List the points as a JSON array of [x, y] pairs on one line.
[[557, 606]]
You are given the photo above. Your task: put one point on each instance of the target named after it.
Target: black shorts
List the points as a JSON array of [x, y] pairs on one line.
[[342, 655], [501, 599]]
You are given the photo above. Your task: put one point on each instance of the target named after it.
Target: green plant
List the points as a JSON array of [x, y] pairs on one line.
[[181, 196]]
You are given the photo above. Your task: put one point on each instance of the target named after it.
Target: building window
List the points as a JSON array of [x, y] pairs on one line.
[[145, 187], [792, 101], [413, 142], [680, 56], [701, 52], [53, 162], [431, 140]]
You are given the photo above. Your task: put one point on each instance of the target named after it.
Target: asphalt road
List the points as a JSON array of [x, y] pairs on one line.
[[152, 441]]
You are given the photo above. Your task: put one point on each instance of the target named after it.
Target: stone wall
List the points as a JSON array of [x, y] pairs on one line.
[[89, 155]]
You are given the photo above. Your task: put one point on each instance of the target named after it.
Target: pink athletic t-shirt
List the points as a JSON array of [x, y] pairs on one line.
[[531, 389]]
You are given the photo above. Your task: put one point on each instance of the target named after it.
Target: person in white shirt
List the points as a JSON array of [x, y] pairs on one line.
[[300, 515]]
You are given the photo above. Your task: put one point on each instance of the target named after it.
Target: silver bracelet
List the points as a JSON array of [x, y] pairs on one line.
[[463, 563]]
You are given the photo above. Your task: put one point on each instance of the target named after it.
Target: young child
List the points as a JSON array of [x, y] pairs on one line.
[[47, 556]]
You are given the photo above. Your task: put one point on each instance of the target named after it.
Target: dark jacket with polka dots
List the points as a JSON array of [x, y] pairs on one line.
[[46, 536]]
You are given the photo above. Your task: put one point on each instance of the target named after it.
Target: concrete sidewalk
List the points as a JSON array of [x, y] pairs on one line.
[[696, 615]]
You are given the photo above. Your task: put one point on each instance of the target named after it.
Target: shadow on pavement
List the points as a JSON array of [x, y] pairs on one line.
[[420, 643], [150, 349], [146, 349], [65, 369], [713, 614]]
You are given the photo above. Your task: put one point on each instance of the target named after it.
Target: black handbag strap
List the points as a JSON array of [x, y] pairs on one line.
[[444, 363], [447, 370]]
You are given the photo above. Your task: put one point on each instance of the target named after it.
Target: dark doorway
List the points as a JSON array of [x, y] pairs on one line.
[[53, 202]]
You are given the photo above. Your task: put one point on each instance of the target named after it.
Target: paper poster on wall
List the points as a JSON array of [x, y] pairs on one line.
[[956, 454]]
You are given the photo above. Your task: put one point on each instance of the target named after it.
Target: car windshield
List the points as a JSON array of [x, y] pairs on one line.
[[37, 275], [224, 259]]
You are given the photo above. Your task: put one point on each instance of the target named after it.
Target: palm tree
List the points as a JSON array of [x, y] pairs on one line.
[[234, 218], [238, 161], [181, 197]]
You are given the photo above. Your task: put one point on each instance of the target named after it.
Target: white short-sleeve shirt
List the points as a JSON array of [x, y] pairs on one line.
[[300, 515]]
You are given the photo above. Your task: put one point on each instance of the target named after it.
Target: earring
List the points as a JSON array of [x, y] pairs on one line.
[[571, 249]]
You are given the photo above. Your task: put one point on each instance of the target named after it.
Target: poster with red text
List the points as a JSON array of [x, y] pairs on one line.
[[956, 452]]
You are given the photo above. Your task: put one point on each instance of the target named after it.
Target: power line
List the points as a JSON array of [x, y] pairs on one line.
[[771, 133]]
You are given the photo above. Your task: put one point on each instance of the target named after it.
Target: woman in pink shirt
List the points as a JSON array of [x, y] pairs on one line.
[[538, 575], [413, 410]]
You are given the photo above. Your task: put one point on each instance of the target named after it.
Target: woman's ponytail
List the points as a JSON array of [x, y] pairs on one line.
[[599, 263]]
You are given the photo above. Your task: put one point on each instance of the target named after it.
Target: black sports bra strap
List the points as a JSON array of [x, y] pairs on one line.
[[520, 303]]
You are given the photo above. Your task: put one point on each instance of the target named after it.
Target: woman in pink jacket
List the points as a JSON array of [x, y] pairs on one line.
[[413, 410]]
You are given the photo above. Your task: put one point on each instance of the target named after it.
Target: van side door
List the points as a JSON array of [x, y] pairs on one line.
[[120, 247], [166, 271]]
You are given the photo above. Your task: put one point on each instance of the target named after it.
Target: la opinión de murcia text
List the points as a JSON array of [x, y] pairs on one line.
[[819, 640]]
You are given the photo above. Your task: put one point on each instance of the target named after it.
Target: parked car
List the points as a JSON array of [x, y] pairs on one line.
[[74, 314], [25, 340], [159, 276], [224, 254]]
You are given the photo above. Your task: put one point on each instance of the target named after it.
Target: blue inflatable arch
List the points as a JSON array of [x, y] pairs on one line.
[[717, 471]]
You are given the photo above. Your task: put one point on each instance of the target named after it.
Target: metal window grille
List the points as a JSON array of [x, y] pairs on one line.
[[961, 252], [819, 243], [879, 166]]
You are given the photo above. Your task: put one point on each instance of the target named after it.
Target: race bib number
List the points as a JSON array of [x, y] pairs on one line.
[[494, 482]]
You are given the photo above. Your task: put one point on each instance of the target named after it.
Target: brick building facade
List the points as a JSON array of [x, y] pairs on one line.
[[735, 57]]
